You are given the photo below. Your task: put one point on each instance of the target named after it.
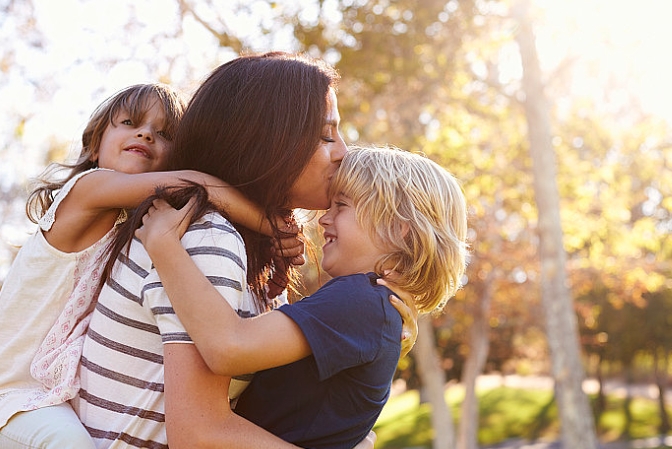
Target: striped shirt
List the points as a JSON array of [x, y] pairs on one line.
[[121, 400]]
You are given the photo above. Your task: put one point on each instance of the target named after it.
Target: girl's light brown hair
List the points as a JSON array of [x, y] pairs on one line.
[[135, 100], [416, 210]]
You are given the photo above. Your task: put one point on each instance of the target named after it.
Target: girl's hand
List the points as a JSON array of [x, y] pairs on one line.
[[404, 304], [164, 224]]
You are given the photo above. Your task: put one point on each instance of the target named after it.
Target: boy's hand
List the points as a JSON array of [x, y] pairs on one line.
[[163, 224]]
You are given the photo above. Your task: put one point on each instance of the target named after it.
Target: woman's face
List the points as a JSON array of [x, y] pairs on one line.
[[310, 190]]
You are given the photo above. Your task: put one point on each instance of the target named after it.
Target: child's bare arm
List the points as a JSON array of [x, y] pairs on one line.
[[229, 344], [106, 189], [91, 207]]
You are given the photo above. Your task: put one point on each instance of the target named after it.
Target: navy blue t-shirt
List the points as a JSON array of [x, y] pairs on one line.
[[332, 398]]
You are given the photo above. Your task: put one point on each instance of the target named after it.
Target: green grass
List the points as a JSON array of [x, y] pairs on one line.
[[506, 413]]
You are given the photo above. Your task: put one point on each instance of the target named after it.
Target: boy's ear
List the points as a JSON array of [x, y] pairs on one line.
[[405, 228]]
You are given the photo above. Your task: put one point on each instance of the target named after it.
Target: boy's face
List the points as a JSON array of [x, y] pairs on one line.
[[349, 248], [130, 147]]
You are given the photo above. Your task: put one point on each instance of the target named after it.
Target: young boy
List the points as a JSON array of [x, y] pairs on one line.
[[328, 360]]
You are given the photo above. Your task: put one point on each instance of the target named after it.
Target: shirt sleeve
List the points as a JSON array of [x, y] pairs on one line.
[[343, 322], [219, 252]]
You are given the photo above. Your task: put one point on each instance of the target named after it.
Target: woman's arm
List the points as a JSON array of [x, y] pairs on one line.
[[197, 407], [405, 305]]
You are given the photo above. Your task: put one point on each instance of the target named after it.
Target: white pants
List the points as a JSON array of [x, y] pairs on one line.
[[53, 427]]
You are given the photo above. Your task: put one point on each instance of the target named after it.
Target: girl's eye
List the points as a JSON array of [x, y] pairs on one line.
[[164, 135], [328, 139], [127, 121]]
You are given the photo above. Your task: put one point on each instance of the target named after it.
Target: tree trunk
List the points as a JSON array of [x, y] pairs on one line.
[[576, 418], [661, 381], [601, 400], [433, 381], [479, 345], [627, 410]]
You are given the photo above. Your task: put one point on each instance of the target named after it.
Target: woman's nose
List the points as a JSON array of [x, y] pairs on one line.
[[339, 150]]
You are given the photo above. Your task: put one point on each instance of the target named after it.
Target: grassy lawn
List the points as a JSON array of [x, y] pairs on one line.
[[506, 413]]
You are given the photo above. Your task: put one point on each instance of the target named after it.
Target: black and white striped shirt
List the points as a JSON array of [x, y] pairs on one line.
[[121, 399]]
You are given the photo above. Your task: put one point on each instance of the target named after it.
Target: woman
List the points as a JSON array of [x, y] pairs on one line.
[[269, 126]]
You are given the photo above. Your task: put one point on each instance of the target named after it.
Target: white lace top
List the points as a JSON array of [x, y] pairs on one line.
[[44, 306]]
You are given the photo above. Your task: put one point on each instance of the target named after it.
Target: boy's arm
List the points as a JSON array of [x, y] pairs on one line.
[[229, 344]]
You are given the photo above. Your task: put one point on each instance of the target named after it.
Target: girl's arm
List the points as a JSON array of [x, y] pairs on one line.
[[106, 189], [91, 208]]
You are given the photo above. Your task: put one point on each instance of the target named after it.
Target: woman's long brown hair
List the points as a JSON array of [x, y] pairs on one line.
[[255, 123]]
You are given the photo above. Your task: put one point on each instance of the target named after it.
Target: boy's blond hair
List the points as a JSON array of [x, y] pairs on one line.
[[416, 209]]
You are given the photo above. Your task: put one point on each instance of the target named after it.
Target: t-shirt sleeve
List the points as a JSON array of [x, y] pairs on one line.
[[219, 252], [343, 322]]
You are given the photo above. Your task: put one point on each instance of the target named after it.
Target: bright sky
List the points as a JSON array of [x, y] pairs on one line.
[[621, 38], [57, 87]]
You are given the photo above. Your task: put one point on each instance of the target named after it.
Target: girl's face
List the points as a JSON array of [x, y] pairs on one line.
[[310, 190], [130, 147], [349, 248]]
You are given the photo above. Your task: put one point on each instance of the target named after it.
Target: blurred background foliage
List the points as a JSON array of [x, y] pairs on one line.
[[442, 77]]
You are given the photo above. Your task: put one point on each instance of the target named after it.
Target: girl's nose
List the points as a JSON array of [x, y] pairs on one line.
[[146, 133]]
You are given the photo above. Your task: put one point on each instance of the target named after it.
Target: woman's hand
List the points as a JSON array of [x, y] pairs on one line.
[[404, 304], [288, 241], [287, 250]]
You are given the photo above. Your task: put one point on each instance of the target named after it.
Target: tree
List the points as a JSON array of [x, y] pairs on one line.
[[433, 384], [578, 429]]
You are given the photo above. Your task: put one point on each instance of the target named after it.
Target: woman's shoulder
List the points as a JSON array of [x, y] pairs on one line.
[[214, 226]]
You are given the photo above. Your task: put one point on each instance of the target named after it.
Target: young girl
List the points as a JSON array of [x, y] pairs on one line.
[[51, 287], [328, 360]]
